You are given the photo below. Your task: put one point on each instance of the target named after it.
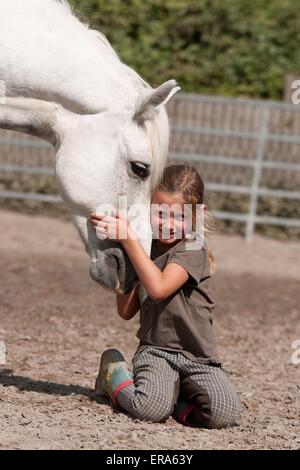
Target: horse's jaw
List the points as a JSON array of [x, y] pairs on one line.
[[110, 266], [112, 270]]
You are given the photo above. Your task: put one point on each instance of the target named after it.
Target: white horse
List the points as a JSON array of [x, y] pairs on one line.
[[64, 83]]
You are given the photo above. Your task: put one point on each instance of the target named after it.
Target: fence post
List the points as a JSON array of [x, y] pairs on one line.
[[260, 150]]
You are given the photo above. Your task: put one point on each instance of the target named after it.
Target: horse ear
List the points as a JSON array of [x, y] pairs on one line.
[[145, 109]]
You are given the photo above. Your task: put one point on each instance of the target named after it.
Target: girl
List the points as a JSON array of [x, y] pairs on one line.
[[176, 367]]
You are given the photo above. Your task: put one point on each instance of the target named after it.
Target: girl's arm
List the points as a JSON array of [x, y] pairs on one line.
[[128, 304], [158, 284]]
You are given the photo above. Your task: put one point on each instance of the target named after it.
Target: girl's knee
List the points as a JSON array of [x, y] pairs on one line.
[[151, 411], [225, 414], [152, 416], [215, 414]]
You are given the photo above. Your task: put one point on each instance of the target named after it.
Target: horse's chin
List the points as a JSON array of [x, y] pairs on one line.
[[105, 275], [112, 270]]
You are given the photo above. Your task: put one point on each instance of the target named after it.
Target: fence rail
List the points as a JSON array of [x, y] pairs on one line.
[[238, 134], [262, 135]]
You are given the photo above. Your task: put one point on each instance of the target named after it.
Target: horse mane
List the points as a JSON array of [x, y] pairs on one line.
[[157, 131], [103, 44]]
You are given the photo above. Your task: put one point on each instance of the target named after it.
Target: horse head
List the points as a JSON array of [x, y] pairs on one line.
[[110, 159], [65, 83]]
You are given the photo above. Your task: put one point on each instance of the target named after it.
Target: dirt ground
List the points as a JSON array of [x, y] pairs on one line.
[[56, 322]]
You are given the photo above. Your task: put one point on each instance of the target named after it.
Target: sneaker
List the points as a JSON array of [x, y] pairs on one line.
[[113, 374]]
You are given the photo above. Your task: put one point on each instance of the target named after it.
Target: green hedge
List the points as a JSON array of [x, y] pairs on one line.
[[228, 47]]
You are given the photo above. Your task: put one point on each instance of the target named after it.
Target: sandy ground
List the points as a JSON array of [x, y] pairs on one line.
[[56, 322]]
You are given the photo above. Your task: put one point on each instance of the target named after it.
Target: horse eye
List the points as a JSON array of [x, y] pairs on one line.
[[142, 170]]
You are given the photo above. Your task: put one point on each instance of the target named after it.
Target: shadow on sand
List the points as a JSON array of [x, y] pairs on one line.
[[8, 379]]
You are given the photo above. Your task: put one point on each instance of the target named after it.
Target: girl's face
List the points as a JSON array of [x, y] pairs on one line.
[[167, 217]]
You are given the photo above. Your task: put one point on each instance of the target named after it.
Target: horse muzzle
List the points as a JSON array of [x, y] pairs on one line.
[[112, 269]]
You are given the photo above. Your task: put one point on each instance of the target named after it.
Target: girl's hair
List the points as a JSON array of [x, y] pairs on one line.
[[186, 180]]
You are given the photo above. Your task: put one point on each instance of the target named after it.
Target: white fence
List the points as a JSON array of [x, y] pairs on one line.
[[258, 141], [231, 122]]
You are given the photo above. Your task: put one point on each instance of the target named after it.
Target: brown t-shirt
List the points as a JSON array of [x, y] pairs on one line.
[[183, 321]]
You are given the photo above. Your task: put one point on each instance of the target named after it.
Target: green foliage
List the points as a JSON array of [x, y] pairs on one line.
[[229, 47]]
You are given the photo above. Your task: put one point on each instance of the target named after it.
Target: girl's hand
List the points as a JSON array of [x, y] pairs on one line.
[[116, 228]]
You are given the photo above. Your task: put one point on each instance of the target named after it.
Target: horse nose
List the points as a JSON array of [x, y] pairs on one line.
[[113, 270], [104, 270]]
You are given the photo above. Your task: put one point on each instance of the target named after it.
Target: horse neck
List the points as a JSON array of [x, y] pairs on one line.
[[60, 60]]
